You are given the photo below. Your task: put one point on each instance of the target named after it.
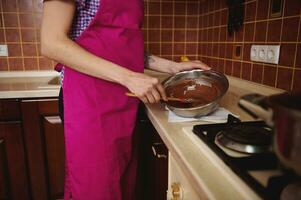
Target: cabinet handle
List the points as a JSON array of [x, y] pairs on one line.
[[155, 152], [176, 191], [53, 119]]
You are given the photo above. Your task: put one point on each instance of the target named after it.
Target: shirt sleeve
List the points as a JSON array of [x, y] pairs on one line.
[[81, 3]]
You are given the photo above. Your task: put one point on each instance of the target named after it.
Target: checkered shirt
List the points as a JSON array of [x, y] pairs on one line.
[[85, 12]]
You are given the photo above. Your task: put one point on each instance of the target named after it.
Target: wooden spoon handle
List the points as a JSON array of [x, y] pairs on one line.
[[175, 99], [168, 98], [130, 94]]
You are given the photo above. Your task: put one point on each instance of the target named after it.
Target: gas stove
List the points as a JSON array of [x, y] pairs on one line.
[[246, 148]]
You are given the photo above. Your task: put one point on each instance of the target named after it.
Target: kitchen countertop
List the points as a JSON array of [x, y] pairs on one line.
[[29, 84], [207, 177]]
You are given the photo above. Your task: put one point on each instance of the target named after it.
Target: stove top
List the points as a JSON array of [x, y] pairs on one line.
[[246, 148]]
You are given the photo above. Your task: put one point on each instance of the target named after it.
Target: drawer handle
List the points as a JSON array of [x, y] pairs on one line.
[[176, 191], [155, 151], [53, 119]]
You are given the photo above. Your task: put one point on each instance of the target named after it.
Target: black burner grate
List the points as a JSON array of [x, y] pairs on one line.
[[248, 134]]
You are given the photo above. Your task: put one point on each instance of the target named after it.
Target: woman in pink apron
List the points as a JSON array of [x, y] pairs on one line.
[[100, 65]]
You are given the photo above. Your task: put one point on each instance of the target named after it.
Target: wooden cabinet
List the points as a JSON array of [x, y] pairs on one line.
[[13, 170], [152, 163], [44, 144], [31, 150]]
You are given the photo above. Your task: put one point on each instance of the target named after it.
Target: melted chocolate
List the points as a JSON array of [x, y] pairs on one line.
[[201, 93]]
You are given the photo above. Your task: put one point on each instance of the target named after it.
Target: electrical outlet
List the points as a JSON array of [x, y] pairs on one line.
[[262, 53], [273, 52], [3, 50], [265, 53], [254, 53]]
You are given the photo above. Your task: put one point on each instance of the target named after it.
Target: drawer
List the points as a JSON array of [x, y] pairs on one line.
[[180, 186], [9, 110]]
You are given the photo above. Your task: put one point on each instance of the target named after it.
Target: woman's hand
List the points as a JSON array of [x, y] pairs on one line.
[[188, 65], [148, 89]]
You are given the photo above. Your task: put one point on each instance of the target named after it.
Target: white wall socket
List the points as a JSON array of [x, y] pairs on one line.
[[3, 50], [265, 53]]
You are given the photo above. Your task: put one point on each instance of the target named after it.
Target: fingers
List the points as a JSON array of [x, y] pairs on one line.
[[155, 95], [189, 65], [150, 97], [143, 99], [195, 64], [162, 92], [150, 90], [202, 65]]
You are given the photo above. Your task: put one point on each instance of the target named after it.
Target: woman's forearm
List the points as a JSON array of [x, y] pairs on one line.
[[159, 64]]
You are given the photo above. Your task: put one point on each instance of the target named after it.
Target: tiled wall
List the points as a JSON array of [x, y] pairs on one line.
[[196, 28], [216, 48], [19, 29], [171, 28]]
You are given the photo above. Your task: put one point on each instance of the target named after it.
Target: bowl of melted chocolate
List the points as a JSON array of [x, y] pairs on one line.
[[202, 89]]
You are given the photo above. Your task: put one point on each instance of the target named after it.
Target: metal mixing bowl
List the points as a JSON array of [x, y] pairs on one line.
[[206, 77]]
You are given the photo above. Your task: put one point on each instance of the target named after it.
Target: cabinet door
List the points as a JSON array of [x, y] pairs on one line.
[[152, 162], [9, 110], [13, 172], [44, 141], [160, 156], [55, 154], [4, 178]]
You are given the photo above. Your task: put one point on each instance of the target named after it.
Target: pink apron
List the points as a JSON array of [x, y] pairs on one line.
[[98, 118]]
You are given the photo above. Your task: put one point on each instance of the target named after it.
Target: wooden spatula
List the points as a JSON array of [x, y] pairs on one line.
[[168, 98]]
